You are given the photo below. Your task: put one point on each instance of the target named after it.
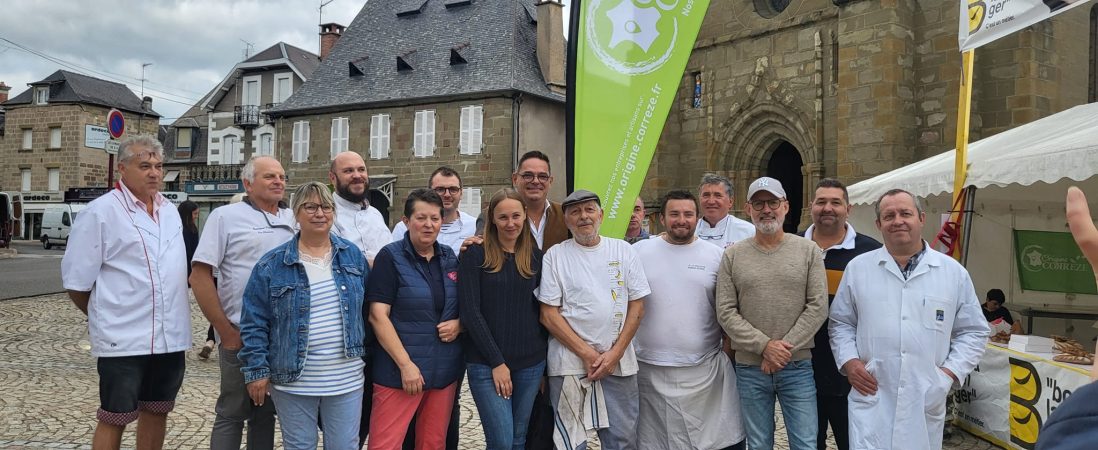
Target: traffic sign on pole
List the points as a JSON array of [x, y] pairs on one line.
[[111, 146], [116, 123]]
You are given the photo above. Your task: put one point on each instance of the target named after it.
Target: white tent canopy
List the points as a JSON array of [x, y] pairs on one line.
[[1063, 145], [1021, 176]]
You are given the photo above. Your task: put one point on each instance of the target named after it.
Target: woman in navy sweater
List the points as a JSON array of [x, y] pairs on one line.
[[506, 344]]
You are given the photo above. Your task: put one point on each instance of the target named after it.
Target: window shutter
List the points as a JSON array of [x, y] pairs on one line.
[[477, 135]]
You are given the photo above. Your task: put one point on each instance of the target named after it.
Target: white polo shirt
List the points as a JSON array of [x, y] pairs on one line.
[[136, 270], [451, 234], [361, 224], [235, 237], [729, 230], [592, 286]]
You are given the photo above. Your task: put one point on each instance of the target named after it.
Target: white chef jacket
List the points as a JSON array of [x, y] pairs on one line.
[[234, 238], [136, 270], [904, 331], [363, 225], [728, 231]]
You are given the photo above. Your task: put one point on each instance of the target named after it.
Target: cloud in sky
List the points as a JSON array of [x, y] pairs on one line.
[[191, 44]]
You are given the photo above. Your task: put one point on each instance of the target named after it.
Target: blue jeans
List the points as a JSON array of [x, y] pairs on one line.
[[795, 388], [505, 420], [297, 416]]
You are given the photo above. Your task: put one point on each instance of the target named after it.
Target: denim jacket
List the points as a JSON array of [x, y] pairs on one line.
[[274, 324]]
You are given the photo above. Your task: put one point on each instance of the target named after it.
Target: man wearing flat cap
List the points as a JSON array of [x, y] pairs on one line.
[[771, 299], [591, 292]]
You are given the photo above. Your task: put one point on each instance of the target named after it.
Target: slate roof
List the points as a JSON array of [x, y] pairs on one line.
[[304, 63], [497, 38], [69, 87]]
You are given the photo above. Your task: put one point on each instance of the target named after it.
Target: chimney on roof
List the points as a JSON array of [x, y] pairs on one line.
[[147, 103], [329, 34], [4, 92], [550, 45]]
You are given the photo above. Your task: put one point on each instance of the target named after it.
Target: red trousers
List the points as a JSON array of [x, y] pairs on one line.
[[393, 411]]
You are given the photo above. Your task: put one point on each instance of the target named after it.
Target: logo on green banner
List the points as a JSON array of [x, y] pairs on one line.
[[630, 60], [1050, 261]]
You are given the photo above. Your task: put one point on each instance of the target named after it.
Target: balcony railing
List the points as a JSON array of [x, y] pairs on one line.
[[263, 113], [246, 115], [215, 173]]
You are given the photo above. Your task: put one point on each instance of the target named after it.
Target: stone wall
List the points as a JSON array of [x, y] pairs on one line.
[[79, 166], [489, 171], [858, 89]]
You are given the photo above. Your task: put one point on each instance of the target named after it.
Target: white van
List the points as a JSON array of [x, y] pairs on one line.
[[56, 223]]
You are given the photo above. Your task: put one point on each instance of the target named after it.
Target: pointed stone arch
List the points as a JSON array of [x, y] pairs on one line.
[[757, 126]]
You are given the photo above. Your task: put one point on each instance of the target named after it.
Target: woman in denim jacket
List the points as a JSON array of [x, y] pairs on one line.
[[303, 330]]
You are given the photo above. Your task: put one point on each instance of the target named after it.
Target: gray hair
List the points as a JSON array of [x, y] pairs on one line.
[[248, 172], [891, 192], [712, 178], [307, 192], [152, 146]]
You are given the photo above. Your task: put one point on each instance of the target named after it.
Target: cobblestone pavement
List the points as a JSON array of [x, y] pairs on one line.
[[49, 386]]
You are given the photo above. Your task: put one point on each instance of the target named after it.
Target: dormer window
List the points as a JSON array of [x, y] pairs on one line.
[[41, 95]]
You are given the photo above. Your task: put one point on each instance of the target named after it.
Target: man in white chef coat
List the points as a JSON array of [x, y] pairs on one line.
[[902, 374], [126, 268]]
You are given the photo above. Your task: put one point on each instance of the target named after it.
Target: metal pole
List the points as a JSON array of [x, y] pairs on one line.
[[966, 228], [110, 171]]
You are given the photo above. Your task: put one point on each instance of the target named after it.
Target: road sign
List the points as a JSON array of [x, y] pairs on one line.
[[95, 136], [111, 146], [116, 123]]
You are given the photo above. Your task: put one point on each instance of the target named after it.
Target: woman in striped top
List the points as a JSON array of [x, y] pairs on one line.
[[303, 330]]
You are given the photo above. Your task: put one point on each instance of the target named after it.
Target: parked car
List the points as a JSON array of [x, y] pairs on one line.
[[57, 222]]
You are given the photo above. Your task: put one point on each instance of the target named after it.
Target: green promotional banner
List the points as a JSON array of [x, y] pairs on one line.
[[1050, 261], [630, 56]]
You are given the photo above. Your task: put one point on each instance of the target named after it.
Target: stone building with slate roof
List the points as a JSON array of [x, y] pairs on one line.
[[206, 147], [806, 89], [45, 150], [416, 84]]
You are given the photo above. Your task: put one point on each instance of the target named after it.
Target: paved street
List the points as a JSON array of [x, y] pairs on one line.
[[49, 385], [35, 271]]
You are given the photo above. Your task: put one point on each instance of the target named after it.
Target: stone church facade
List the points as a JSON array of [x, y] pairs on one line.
[[806, 89]]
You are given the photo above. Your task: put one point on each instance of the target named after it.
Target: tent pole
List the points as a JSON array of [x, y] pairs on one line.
[[964, 107], [966, 228]]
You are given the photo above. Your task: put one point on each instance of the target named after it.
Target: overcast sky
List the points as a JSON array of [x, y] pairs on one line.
[[192, 44]]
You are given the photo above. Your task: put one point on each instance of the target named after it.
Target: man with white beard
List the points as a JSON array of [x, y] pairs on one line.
[[771, 299]]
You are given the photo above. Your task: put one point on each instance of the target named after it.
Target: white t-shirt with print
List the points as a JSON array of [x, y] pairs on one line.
[[680, 325], [592, 286]]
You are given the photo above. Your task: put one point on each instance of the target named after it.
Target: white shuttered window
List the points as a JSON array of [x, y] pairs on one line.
[[301, 141], [424, 134], [341, 128], [379, 136], [472, 125], [470, 201]]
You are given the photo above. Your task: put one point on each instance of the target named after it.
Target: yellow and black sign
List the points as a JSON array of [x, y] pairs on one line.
[[1025, 394]]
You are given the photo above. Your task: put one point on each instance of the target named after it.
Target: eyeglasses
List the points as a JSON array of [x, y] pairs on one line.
[[442, 190], [312, 207], [774, 203], [529, 176]]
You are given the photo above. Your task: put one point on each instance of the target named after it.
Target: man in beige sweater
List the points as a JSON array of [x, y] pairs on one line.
[[771, 299]]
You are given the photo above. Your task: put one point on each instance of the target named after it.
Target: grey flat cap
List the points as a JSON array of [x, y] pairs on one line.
[[580, 196], [766, 184]]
